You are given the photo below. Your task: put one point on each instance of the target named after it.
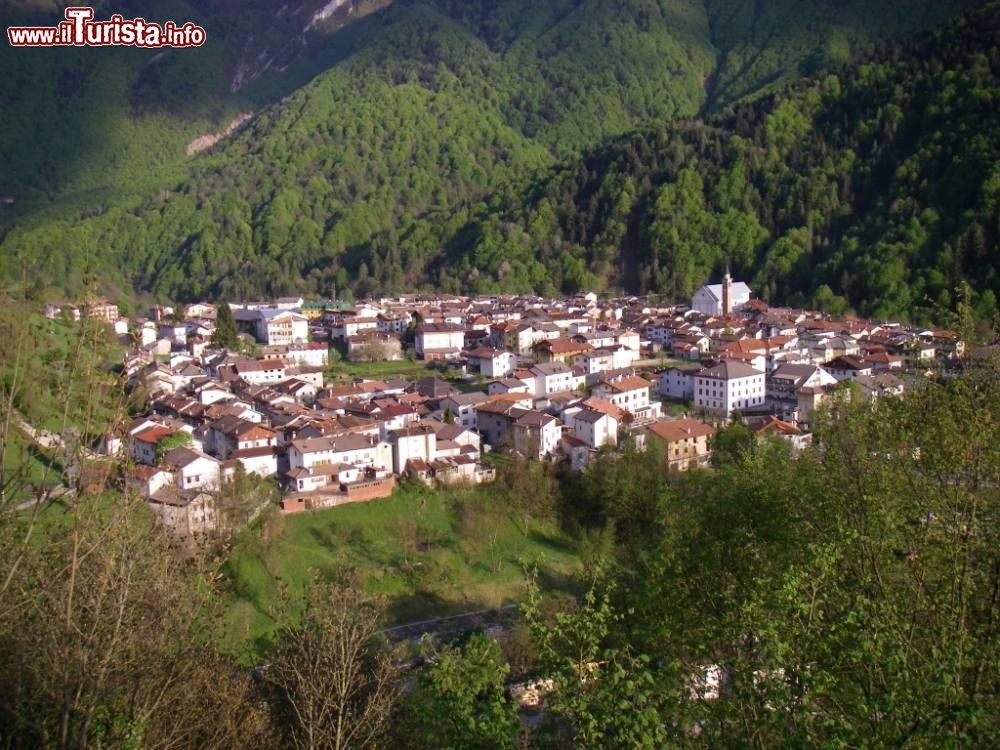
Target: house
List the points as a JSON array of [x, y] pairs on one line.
[[186, 514], [278, 327], [685, 442], [579, 453], [595, 362], [349, 448], [193, 470], [260, 461], [880, 384], [462, 406], [439, 340], [536, 434], [595, 428], [309, 354], [728, 386], [101, 310], [690, 347], [147, 479], [467, 439], [414, 443], [561, 349], [520, 337], [143, 443], [678, 382], [434, 389], [254, 371], [630, 393], [847, 367], [229, 434], [54, 309], [771, 426], [323, 475], [490, 362], [509, 385], [552, 377], [600, 339], [629, 339], [504, 423], [393, 323], [349, 326], [783, 385], [723, 299], [493, 422], [810, 398], [881, 361], [303, 391]]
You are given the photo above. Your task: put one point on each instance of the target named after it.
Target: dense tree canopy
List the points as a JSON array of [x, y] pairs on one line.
[[439, 150]]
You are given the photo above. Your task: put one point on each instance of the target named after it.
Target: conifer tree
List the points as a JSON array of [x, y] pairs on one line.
[[225, 335]]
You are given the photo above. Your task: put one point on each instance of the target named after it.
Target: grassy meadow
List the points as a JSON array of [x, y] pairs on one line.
[[430, 552]]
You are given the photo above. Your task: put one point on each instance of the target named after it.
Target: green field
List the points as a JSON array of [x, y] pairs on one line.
[[431, 552], [402, 368]]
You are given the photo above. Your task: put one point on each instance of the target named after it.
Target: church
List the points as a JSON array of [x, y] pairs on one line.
[[720, 300]]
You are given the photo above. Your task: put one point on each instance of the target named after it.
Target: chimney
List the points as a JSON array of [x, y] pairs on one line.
[[727, 282]]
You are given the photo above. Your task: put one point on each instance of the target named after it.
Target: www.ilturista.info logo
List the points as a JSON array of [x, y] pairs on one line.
[[80, 30]]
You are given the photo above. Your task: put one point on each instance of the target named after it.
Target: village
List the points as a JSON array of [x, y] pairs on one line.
[[555, 380]]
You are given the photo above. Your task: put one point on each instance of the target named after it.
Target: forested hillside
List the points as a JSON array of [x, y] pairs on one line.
[[877, 187], [96, 120], [429, 142]]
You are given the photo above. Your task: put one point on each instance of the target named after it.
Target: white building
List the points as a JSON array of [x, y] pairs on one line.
[[357, 450], [630, 393], [553, 377], [193, 470], [414, 443], [439, 340], [728, 386], [463, 406], [595, 428], [492, 363], [276, 327], [536, 434], [721, 299], [311, 354], [678, 382], [349, 327]]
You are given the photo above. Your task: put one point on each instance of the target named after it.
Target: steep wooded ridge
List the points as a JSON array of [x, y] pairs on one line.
[[422, 155], [94, 119], [877, 187]]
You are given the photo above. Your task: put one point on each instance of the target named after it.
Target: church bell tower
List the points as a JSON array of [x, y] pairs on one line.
[[727, 282]]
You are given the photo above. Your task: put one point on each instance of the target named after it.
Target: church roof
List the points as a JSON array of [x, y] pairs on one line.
[[736, 289]]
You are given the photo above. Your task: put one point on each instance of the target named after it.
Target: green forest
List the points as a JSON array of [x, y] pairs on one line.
[[563, 145]]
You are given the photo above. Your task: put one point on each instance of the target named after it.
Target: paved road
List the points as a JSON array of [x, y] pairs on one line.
[[42, 437], [55, 494], [481, 619]]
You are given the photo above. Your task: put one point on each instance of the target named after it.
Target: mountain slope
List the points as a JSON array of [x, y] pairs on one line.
[[877, 187], [425, 109], [93, 119]]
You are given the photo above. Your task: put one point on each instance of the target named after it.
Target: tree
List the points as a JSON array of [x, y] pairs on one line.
[[179, 439], [333, 681], [242, 497], [459, 701], [104, 642], [225, 336], [608, 696], [732, 444]]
